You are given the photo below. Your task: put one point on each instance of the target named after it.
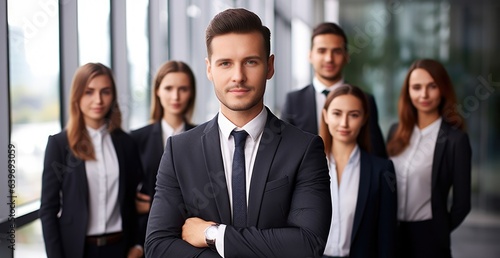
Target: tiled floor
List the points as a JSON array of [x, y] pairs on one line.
[[478, 236]]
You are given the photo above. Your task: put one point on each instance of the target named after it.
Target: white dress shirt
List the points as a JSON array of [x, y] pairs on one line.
[[103, 183], [344, 200], [414, 174], [254, 128], [167, 131], [319, 87]]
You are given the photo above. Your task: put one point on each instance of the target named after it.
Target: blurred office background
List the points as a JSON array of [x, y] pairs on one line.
[[42, 42]]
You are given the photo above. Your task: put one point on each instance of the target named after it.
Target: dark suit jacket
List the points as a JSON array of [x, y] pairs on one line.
[[451, 167], [150, 143], [149, 140], [65, 188], [375, 218], [300, 110], [289, 205]]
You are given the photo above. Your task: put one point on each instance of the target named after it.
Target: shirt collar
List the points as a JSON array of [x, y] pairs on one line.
[[355, 155], [254, 128], [433, 127], [320, 87], [99, 131]]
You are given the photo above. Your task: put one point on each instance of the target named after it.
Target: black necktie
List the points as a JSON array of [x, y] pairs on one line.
[[239, 192], [325, 92]]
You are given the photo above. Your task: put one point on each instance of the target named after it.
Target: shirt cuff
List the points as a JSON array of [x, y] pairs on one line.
[[219, 240]]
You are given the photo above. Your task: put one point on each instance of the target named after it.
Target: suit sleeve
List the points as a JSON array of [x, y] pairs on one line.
[[461, 204], [308, 220], [50, 200], [167, 215], [387, 227]]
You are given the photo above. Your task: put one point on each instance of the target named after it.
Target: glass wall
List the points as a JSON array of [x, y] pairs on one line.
[[94, 38], [34, 99], [384, 39], [34, 88], [138, 62]]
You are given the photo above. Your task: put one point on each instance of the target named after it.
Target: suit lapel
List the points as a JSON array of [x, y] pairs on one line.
[[215, 169], [80, 174], [364, 189], [311, 108], [157, 142], [269, 143], [439, 151]]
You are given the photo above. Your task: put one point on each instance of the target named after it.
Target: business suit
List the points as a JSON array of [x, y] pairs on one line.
[[149, 141], [289, 207], [65, 189], [300, 110], [375, 220], [451, 167]]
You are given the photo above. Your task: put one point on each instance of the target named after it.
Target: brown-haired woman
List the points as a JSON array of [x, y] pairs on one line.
[[363, 188], [91, 171], [431, 154], [172, 105]]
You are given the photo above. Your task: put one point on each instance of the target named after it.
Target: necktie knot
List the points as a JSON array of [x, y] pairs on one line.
[[239, 138], [325, 92]]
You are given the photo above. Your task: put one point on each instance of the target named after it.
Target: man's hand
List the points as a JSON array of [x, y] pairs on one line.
[[193, 231], [135, 252], [142, 203]]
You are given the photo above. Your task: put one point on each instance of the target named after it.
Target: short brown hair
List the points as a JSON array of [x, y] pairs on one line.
[[329, 28], [173, 66], [236, 21]]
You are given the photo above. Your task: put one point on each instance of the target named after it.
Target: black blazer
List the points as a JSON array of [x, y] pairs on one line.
[[289, 205], [451, 167], [300, 110], [65, 189], [375, 217], [150, 143]]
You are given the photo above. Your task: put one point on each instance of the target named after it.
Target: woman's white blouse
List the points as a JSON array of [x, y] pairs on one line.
[[344, 200], [103, 184], [414, 174]]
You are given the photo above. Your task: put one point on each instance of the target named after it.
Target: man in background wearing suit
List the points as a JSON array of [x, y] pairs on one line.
[[206, 205], [328, 56]]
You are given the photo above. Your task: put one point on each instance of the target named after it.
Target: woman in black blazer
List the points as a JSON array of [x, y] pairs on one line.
[[172, 106], [431, 154], [363, 186], [91, 171]]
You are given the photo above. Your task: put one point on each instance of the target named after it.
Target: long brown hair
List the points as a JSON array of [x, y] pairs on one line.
[[407, 113], [363, 138], [157, 110], [78, 138]]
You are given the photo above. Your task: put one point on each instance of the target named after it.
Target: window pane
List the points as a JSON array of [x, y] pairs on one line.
[[138, 53], [94, 32], [34, 88]]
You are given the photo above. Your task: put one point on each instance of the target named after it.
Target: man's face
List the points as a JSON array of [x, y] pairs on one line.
[[328, 56], [238, 69]]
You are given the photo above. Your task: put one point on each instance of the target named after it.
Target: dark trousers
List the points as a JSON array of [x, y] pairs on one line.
[[116, 250], [419, 240]]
